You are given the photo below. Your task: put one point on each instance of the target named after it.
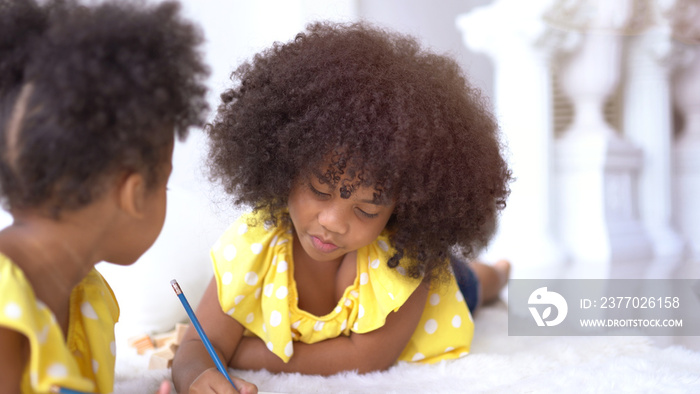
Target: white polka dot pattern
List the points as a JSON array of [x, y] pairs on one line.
[[251, 278], [88, 311], [57, 370], [13, 311], [282, 267], [230, 252], [364, 278], [43, 334], [289, 349], [456, 321], [281, 292], [275, 318], [431, 326]]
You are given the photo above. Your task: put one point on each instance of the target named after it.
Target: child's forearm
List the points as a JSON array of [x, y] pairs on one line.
[[191, 359], [359, 352], [323, 358]]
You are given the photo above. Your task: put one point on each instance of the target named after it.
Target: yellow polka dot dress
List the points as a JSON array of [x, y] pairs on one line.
[[85, 360], [254, 271]]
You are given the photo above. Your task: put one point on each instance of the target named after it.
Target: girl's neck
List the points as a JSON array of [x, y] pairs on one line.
[[321, 284], [50, 255]]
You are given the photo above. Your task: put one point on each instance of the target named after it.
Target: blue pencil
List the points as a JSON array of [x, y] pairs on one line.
[[200, 331], [63, 390]]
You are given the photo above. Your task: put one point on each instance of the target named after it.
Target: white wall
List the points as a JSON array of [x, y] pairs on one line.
[[434, 24]]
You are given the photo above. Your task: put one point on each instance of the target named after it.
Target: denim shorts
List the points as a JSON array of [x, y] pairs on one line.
[[467, 281]]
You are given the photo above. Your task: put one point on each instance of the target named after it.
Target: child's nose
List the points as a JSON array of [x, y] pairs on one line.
[[333, 219]]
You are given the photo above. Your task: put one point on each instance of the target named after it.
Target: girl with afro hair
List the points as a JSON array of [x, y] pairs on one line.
[[91, 100], [374, 171]]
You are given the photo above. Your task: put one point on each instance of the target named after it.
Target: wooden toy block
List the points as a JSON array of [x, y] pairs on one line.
[[164, 339], [162, 358], [180, 329], [142, 343]]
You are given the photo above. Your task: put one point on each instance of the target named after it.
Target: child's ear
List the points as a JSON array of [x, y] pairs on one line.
[[131, 194]]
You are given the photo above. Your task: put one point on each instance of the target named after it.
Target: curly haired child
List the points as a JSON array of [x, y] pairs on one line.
[[371, 166], [91, 100]]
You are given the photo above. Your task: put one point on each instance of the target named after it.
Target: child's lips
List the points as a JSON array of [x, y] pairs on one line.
[[325, 247]]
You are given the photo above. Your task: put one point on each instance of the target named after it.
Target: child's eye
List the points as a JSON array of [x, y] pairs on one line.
[[317, 192], [367, 215]]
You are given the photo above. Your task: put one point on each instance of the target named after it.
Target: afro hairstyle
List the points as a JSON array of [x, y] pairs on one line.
[[91, 91], [385, 113]]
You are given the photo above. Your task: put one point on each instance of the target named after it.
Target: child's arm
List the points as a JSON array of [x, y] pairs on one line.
[[13, 359], [372, 351], [193, 368]]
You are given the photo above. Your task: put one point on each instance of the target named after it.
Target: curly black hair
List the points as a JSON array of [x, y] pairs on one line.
[[90, 91], [388, 114]]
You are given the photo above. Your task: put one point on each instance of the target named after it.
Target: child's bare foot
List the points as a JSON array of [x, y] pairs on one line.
[[503, 269], [492, 278]]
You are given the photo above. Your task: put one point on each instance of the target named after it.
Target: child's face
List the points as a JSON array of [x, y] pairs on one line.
[[328, 226]]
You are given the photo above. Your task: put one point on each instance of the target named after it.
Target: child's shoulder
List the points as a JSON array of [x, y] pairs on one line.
[[11, 276], [18, 302], [252, 227], [251, 244], [16, 291], [373, 260]]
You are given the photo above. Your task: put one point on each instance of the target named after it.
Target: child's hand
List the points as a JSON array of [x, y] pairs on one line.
[[164, 388], [212, 381]]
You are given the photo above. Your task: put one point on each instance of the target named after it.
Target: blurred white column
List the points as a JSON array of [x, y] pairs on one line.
[[508, 31], [647, 121], [687, 153], [597, 169], [685, 20]]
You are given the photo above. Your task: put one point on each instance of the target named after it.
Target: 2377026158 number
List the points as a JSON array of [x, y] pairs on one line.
[[639, 302]]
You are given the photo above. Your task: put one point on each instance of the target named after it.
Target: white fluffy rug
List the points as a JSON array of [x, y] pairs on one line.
[[497, 363]]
